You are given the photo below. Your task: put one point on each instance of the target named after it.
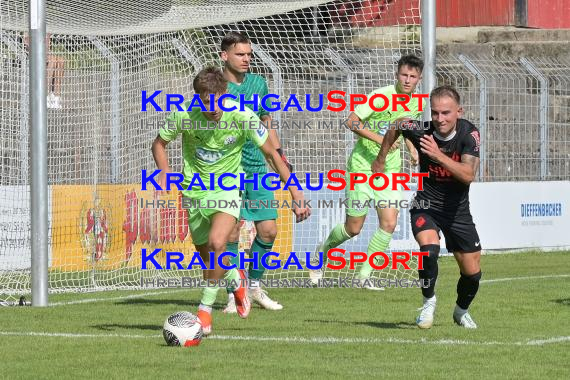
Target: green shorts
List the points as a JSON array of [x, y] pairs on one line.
[[363, 196], [200, 219], [259, 213]]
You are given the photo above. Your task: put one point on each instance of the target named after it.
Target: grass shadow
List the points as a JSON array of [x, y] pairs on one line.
[[374, 324], [116, 326], [562, 301]]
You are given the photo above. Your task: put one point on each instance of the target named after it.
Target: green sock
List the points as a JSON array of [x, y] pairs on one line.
[[234, 248], [232, 275], [209, 295], [336, 237], [262, 247], [379, 243]]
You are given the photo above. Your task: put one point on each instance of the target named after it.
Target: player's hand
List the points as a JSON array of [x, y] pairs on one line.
[[429, 147], [285, 160], [378, 166], [301, 213]]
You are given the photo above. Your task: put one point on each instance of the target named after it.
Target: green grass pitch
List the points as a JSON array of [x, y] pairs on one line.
[[522, 309]]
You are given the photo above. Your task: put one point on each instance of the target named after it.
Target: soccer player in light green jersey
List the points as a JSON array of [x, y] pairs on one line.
[[208, 150], [364, 153], [236, 53]]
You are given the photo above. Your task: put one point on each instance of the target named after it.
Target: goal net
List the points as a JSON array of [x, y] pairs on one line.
[[100, 58]]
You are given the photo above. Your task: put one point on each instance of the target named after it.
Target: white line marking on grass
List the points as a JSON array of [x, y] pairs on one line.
[[524, 278], [140, 295], [301, 340], [334, 340], [541, 342]]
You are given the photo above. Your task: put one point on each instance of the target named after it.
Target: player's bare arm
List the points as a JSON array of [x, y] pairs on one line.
[[414, 158], [359, 129], [463, 171], [273, 136], [389, 138], [275, 161], [160, 156]]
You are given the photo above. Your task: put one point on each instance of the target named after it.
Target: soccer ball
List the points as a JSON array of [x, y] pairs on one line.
[[182, 329]]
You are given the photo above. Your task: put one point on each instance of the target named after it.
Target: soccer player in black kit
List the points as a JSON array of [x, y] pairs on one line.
[[449, 152]]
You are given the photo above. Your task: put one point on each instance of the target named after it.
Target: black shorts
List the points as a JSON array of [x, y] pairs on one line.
[[459, 230]]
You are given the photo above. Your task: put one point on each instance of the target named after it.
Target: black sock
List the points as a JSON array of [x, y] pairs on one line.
[[429, 273], [467, 288]]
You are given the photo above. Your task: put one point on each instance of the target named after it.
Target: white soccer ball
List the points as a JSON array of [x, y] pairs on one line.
[[182, 329]]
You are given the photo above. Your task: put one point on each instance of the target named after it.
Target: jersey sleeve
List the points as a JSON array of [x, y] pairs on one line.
[[471, 143], [364, 111], [263, 92], [172, 127], [252, 125], [413, 135]]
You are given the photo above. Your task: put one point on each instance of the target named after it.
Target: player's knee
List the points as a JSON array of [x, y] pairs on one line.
[[474, 277], [268, 233], [234, 236], [216, 244], [353, 229], [388, 224]]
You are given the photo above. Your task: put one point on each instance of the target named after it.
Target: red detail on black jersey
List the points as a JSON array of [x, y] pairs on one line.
[[439, 171], [420, 222], [475, 135], [456, 157]]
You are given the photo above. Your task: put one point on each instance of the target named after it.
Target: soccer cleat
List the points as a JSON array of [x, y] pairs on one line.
[[464, 320], [260, 297], [425, 319], [368, 283], [231, 306], [243, 306], [205, 320], [316, 274]]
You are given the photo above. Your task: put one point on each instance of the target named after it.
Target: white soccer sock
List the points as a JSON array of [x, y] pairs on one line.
[[253, 284], [207, 309], [459, 311]]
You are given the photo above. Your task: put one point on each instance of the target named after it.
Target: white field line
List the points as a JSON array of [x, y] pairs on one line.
[[140, 295], [301, 340], [523, 278]]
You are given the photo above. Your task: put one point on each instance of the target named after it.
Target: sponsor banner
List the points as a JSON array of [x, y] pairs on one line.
[[521, 215], [15, 229], [507, 215], [107, 229]]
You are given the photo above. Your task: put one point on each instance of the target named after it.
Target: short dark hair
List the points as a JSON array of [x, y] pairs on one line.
[[448, 91], [210, 81], [411, 61], [233, 38]]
